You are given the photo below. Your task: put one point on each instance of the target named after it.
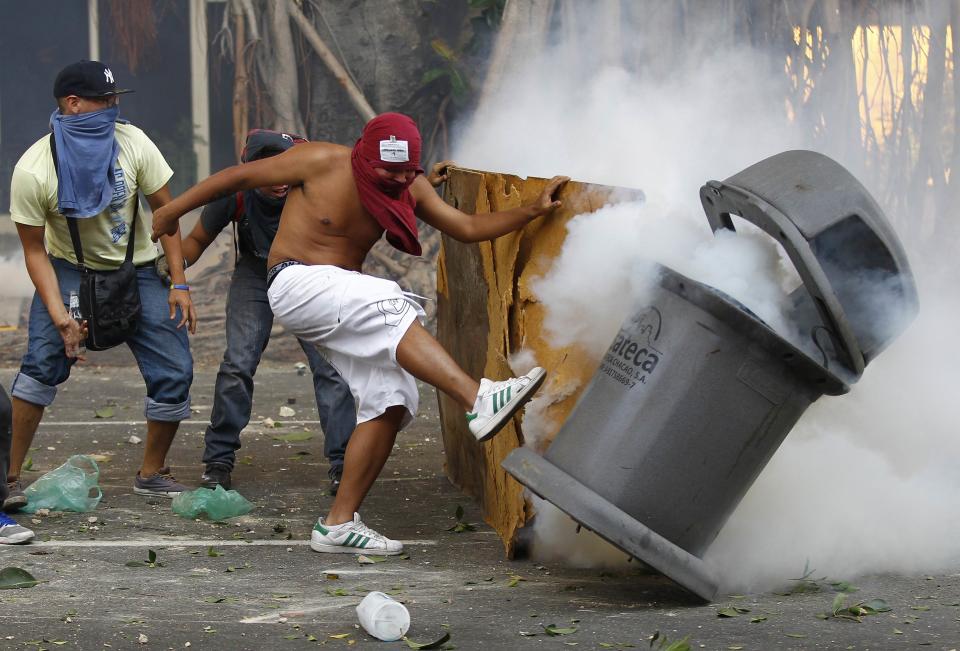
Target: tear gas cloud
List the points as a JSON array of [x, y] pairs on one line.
[[865, 482]]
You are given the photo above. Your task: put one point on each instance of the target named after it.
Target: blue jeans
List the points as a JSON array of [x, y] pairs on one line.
[[249, 321], [160, 348]]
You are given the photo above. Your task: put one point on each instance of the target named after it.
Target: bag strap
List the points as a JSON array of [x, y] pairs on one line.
[[72, 221]]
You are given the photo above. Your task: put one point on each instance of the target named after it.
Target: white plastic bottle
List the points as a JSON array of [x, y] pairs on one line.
[[383, 617]]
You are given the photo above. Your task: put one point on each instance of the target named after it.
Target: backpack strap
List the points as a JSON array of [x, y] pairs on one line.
[[238, 207]]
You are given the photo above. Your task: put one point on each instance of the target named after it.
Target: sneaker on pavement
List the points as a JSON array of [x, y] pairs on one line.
[[497, 402], [351, 538], [336, 474], [216, 474], [16, 499], [160, 483], [12, 533]]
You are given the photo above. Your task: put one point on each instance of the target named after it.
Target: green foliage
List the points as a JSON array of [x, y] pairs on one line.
[[454, 73]]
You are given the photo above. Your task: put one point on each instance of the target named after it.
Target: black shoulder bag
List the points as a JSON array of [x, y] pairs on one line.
[[109, 300]]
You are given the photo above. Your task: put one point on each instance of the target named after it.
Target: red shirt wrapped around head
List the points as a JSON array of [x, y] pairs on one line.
[[390, 141]]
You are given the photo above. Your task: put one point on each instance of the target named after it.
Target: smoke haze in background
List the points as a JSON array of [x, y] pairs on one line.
[[865, 482], [16, 281]]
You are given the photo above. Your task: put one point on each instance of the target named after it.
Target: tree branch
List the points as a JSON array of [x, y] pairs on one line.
[[326, 55]]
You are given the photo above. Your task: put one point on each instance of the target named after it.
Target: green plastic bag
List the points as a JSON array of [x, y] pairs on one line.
[[216, 504], [71, 487]]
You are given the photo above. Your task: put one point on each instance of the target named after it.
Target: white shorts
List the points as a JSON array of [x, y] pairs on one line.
[[356, 321]]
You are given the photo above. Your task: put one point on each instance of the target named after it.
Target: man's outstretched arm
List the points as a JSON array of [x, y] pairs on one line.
[[487, 226], [291, 167]]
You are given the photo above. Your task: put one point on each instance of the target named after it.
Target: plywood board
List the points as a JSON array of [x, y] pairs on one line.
[[487, 311]]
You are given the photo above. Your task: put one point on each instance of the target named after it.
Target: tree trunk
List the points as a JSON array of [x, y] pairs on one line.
[[523, 33], [283, 83], [929, 166], [955, 158], [241, 94]]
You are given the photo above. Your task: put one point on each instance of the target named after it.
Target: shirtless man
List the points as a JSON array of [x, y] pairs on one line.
[[340, 203]]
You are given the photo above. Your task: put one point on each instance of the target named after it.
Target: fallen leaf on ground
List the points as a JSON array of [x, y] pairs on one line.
[[12, 578], [287, 412], [104, 412], [293, 437], [553, 629], [732, 611], [370, 560], [427, 645]]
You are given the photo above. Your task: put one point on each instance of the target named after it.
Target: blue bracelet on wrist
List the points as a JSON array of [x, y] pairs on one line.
[[183, 287]]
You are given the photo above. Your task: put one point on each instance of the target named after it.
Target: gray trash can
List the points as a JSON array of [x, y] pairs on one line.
[[696, 393]]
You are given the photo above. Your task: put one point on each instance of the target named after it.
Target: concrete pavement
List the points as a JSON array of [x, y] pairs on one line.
[[253, 583]]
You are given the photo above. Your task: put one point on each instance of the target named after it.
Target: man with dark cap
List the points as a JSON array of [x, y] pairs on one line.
[[101, 164], [341, 202], [256, 214]]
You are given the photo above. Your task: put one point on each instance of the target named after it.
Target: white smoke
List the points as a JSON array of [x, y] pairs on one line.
[[866, 482]]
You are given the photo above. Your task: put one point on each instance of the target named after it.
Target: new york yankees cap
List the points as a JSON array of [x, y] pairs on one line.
[[86, 79]]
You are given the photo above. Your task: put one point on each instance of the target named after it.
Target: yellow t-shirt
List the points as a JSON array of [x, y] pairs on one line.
[[33, 202]]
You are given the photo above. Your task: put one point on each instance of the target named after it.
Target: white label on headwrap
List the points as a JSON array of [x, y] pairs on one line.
[[394, 151]]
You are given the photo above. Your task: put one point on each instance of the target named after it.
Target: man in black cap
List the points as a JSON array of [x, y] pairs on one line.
[[256, 214], [101, 165]]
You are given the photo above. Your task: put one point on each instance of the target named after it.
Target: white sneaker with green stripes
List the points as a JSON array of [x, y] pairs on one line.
[[497, 402], [351, 538]]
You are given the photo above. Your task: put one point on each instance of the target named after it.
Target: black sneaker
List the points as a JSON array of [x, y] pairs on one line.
[[216, 474], [335, 475]]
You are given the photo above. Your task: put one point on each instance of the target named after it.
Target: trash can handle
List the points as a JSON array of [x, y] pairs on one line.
[[721, 200]]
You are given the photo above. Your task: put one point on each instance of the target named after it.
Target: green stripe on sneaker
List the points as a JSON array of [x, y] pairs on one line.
[[508, 394], [319, 527], [364, 541], [470, 416], [349, 540]]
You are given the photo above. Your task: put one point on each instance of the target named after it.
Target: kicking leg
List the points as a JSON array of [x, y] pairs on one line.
[[424, 358], [489, 405]]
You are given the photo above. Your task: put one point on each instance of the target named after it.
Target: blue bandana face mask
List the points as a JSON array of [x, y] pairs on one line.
[[87, 152]]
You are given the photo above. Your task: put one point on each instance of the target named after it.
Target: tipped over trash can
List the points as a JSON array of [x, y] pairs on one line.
[[696, 393]]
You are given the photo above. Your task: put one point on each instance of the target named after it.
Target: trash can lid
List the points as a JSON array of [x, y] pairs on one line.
[[838, 239]]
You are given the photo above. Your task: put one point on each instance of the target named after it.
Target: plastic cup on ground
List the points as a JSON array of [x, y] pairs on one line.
[[383, 617]]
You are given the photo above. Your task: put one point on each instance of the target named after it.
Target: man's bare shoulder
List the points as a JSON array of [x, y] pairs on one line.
[[322, 154]]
